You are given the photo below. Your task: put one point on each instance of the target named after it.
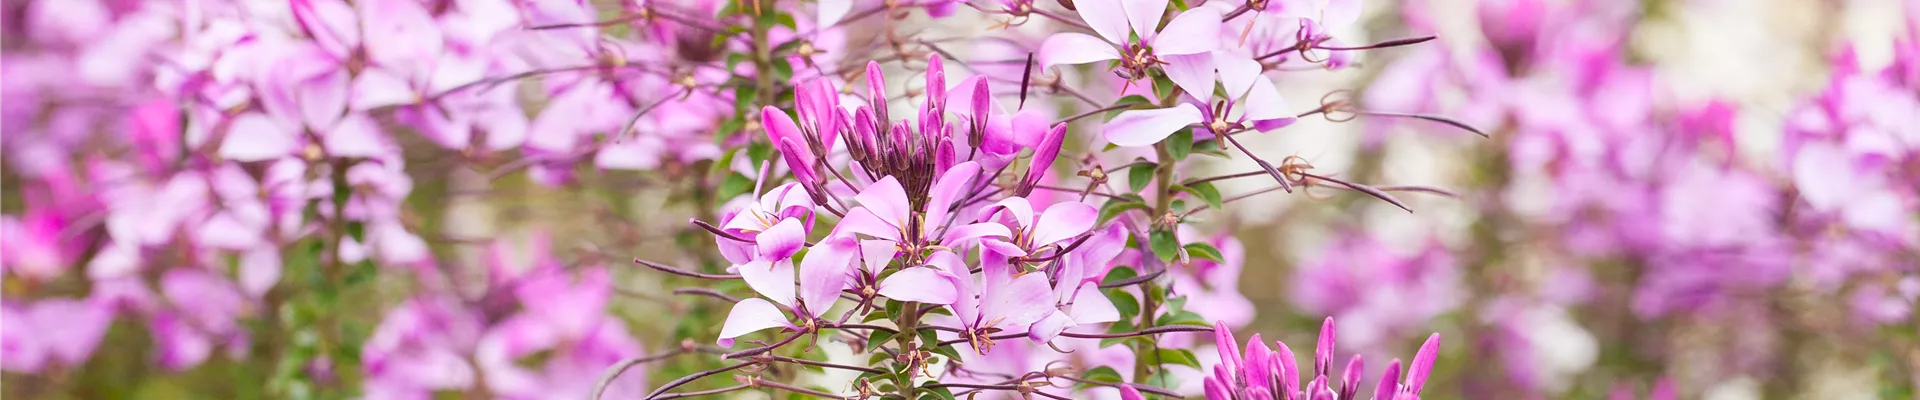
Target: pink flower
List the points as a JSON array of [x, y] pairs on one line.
[[1252, 103], [771, 273], [1196, 32], [1002, 301]]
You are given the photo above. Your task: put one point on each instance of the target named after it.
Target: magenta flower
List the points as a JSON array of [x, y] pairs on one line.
[[1003, 301], [1196, 32], [919, 222], [1076, 288], [1262, 373], [1252, 103], [1058, 223], [925, 284], [771, 273]]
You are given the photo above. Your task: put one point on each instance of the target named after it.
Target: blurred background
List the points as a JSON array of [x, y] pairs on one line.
[[1714, 199]]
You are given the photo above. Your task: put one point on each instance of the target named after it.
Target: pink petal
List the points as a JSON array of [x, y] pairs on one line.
[[749, 316], [1107, 18], [782, 240], [1263, 102], [1092, 307], [1048, 328], [355, 136], [1075, 48], [1062, 221], [1340, 13], [887, 200], [952, 185], [960, 235], [966, 301], [1023, 301], [1127, 392], [259, 271], [824, 273], [877, 254], [1193, 73], [1017, 207], [1196, 31], [831, 11], [920, 284], [70, 330], [862, 221], [1423, 363], [771, 279], [255, 137], [323, 99], [376, 88], [1237, 72], [1144, 17], [1145, 127]]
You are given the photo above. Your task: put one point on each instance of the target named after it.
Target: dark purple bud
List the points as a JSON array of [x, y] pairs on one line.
[[936, 84]]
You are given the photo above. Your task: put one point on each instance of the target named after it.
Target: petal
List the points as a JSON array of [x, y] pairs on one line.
[[1193, 73], [1228, 346], [1340, 13], [1423, 364], [1092, 307], [1145, 127], [920, 284], [1144, 17], [255, 137], [887, 200], [1017, 207], [862, 221], [1047, 328], [323, 99], [966, 303], [1062, 221], [1390, 379], [749, 316], [376, 88], [1021, 302], [824, 273], [831, 11], [952, 185], [1237, 72], [1075, 48], [1107, 18], [877, 254], [782, 240], [1197, 31], [961, 235], [771, 279], [1264, 103], [355, 136]]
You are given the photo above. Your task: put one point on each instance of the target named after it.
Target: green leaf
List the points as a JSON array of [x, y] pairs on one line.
[[1123, 326], [941, 393], [1124, 302], [879, 338], [1118, 274], [759, 152], [1183, 317], [1130, 101], [1139, 175], [1165, 245], [1180, 144], [1204, 251], [1178, 356], [1114, 208], [1101, 374], [734, 185], [1206, 192]]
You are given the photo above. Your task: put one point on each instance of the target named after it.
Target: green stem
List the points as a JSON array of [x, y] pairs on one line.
[[1150, 304], [909, 322]]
